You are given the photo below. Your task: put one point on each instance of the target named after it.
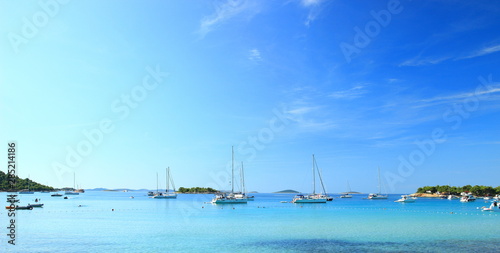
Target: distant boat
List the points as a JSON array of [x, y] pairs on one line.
[[451, 197], [494, 207], [28, 190], [230, 198], [406, 199], [74, 184], [347, 195], [378, 195], [167, 194], [28, 207], [36, 205], [56, 195], [468, 198], [314, 197]]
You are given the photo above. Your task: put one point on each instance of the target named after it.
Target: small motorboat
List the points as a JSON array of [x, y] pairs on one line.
[[28, 207], [56, 195], [451, 197], [468, 198], [406, 199], [489, 209], [36, 205]]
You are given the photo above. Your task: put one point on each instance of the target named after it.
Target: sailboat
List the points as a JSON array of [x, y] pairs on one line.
[[312, 198], [27, 191], [243, 193], [167, 194], [74, 184], [378, 195], [346, 194], [230, 198]]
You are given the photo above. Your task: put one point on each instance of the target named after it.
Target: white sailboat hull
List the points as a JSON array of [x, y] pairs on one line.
[[229, 201], [309, 201], [377, 196], [165, 196]]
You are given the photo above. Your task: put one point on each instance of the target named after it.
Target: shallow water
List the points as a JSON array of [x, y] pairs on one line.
[[113, 222]]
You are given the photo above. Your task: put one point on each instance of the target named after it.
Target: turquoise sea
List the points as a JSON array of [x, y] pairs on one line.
[[98, 221]]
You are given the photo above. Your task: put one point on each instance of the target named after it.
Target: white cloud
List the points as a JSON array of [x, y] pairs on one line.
[[491, 89], [354, 92], [420, 62], [481, 52], [225, 11], [315, 8], [254, 55], [308, 3]]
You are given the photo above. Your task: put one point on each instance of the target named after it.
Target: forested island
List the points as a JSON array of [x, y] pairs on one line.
[[196, 190], [21, 184], [478, 190]]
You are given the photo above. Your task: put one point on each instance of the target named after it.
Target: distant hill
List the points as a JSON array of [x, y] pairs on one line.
[[287, 191], [351, 193], [96, 189]]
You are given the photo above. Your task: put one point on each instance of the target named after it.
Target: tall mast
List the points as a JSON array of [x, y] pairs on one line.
[[320, 177], [157, 182], [168, 176], [243, 179], [74, 180], [379, 191], [232, 169], [314, 179]]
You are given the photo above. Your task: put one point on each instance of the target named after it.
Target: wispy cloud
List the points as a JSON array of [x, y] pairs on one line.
[[309, 3], [254, 55], [314, 9], [454, 98], [224, 11], [307, 118], [420, 62], [352, 93], [481, 52], [302, 110]]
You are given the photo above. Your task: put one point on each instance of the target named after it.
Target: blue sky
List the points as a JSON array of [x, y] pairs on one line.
[[117, 91]]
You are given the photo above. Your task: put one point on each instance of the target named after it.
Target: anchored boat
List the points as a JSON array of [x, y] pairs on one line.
[[232, 197], [406, 199], [314, 197], [378, 195], [167, 194]]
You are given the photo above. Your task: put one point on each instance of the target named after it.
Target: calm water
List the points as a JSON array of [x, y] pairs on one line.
[[86, 223]]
